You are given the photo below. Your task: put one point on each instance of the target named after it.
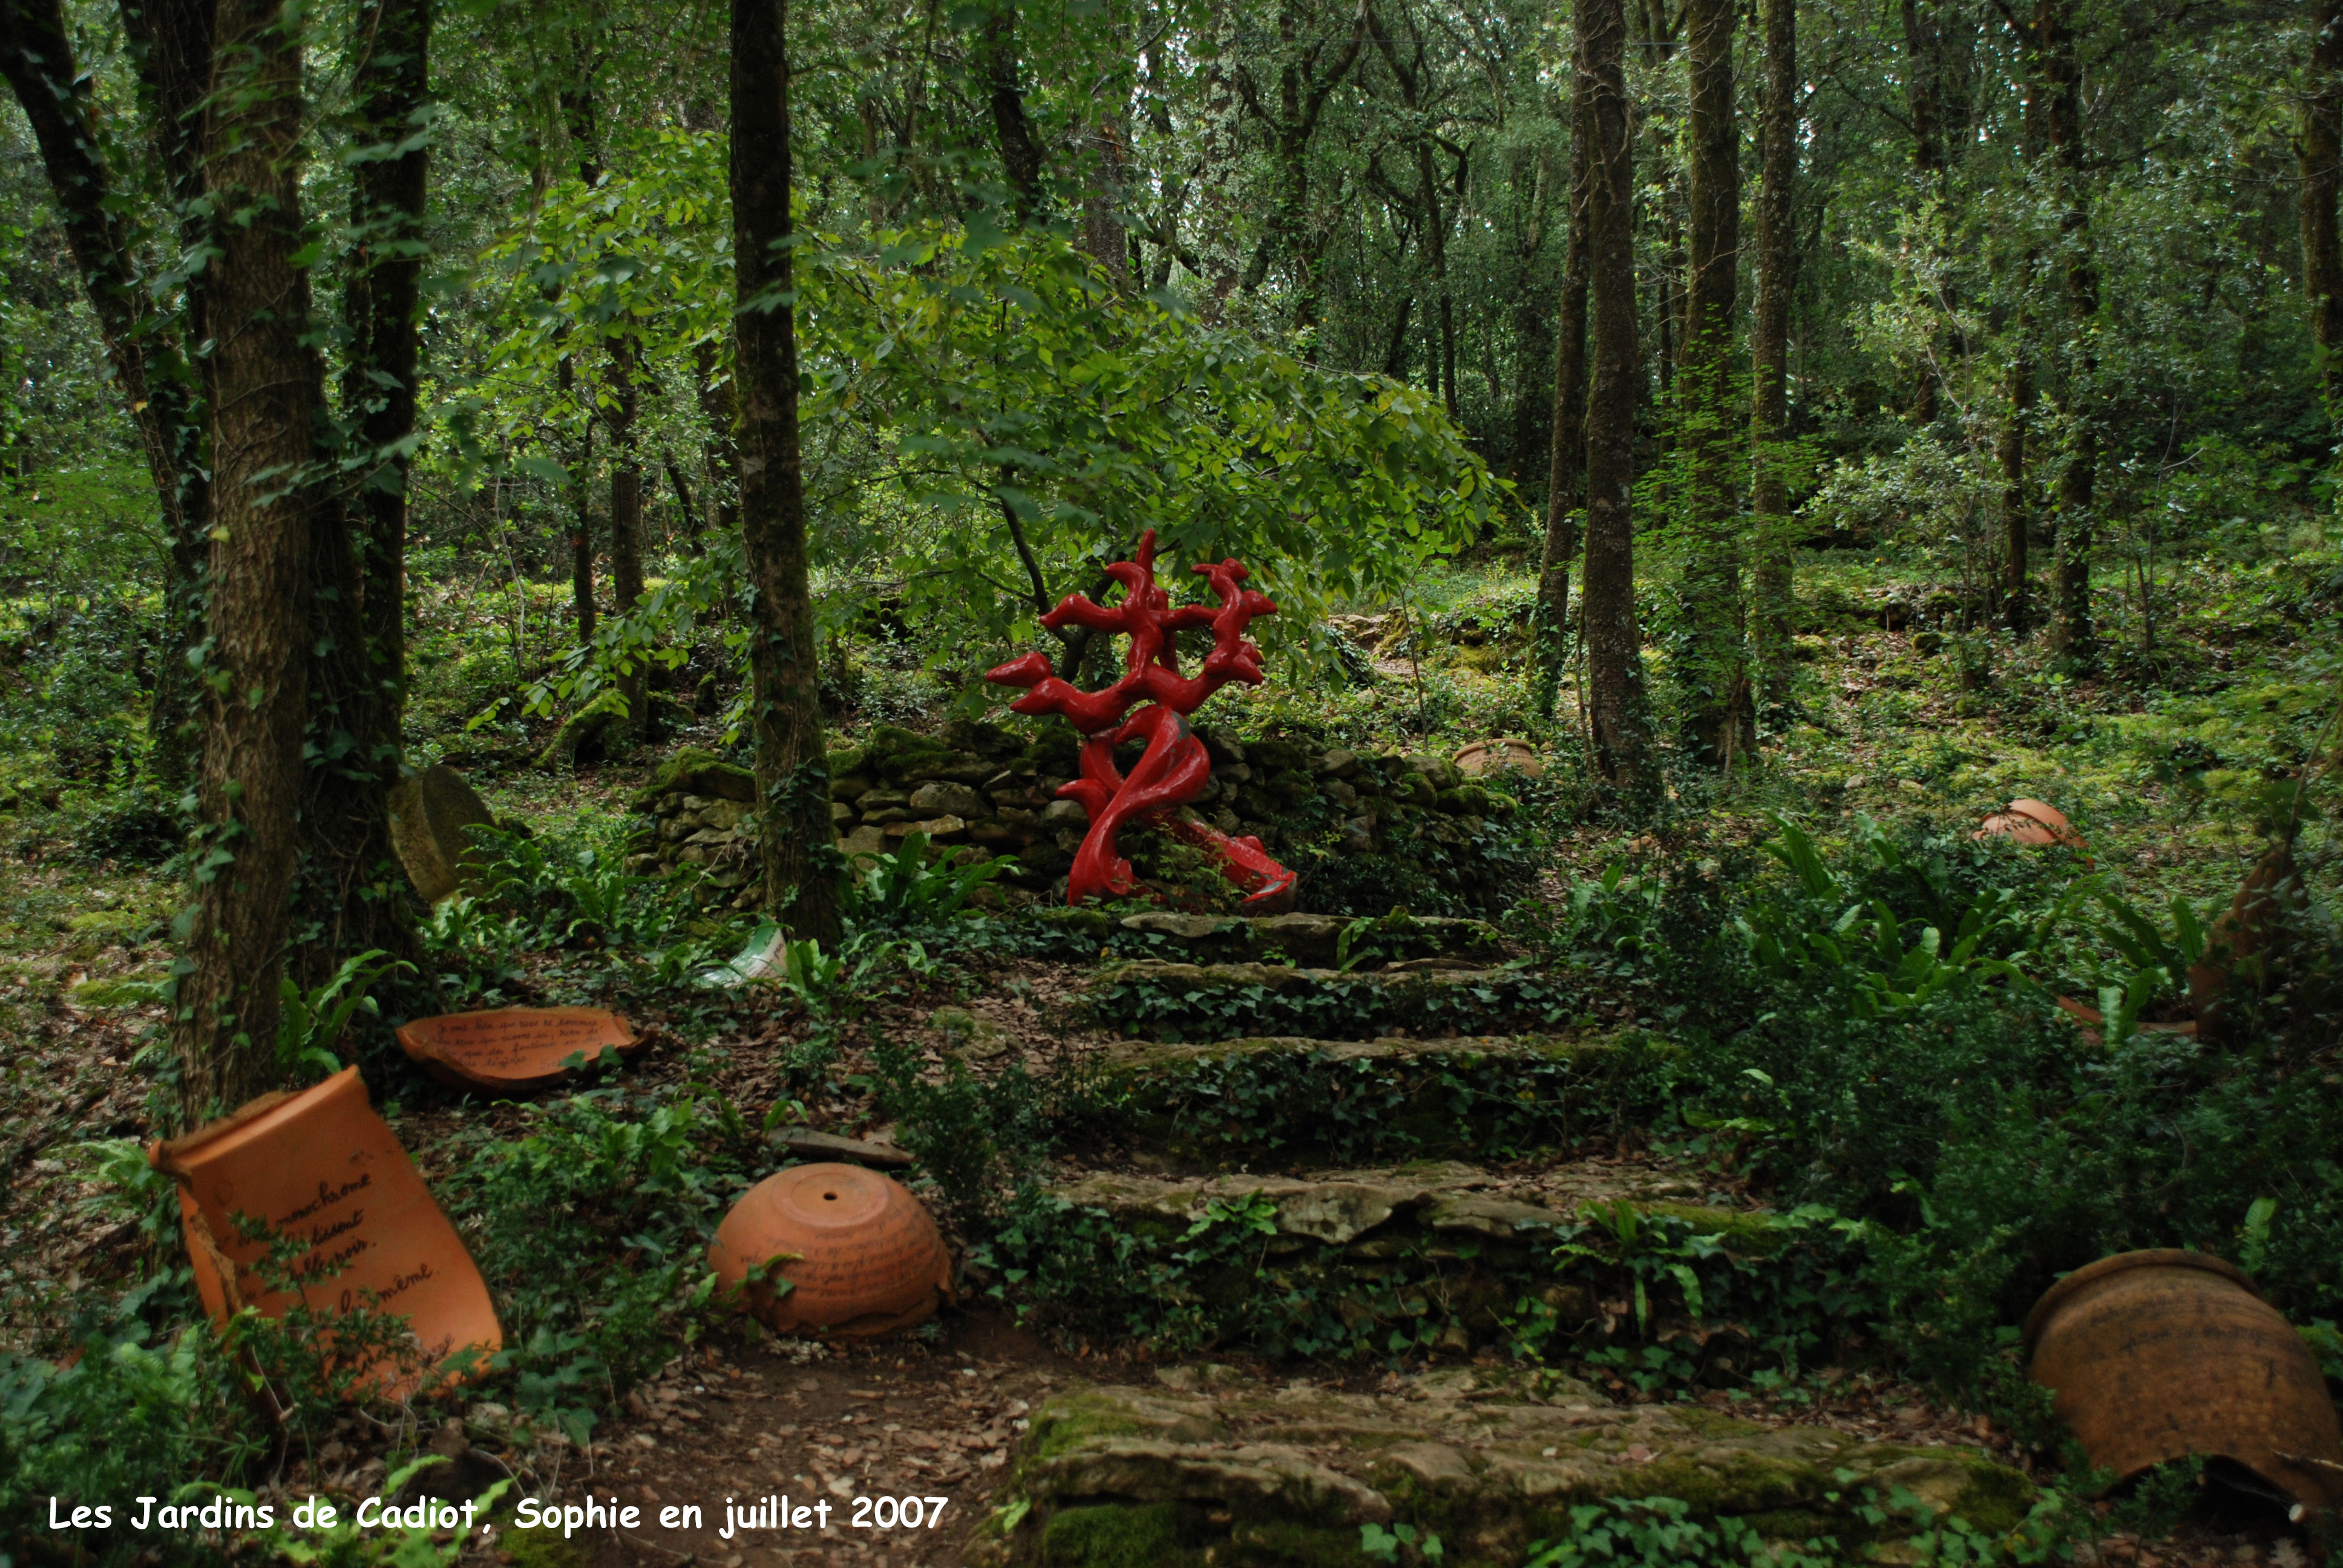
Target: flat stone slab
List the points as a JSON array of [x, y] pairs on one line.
[[808, 1145], [1280, 977], [1318, 938], [431, 815], [1140, 1058], [1228, 1471], [1343, 1208]]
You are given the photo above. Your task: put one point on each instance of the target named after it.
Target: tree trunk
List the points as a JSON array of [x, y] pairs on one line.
[[626, 512], [2071, 631], [800, 864], [1302, 94], [350, 892], [1923, 100], [1614, 657], [720, 407], [266, 394], [2017, 513], [151, 374], [581, 528], [1769, 357], [382, 305], [1566, 495], [2318, 150], [1714, 669], [1021, 155]]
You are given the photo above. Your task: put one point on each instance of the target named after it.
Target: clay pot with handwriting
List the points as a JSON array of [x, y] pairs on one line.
[[1504, 754], [513, 1050], [321, 1169], [860, 1256]]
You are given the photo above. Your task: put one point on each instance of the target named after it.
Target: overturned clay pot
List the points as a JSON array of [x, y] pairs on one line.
[[513, 1050], [861, 1256], [2031, 823], [321, 1169], [1483, 758], [2157, 1355]]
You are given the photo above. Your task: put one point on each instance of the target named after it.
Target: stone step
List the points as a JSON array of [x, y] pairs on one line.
[[1436, 1256], [1219, 1468], [1324, 940], [1367, 1212], [1271, 1101], [1186, 1002]]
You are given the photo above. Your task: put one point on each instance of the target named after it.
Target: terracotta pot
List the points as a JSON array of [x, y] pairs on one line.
[[861, 1255], [322, 1167], [513, 1050], [1485, 757], [2031, 823], [2154, 1356], [430, 815]]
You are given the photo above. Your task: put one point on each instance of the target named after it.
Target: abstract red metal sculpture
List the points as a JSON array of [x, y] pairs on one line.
[[1176, 767]]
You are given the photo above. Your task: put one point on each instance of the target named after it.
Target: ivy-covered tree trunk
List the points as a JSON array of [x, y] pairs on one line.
[[1713, 671], [801, 881], [382, 305], [1769, 344], [1614, 659], [1565, 496], [351, 895], [1303, 91], [2318, 150], [1021, 153], [151, 374], [266, 388]]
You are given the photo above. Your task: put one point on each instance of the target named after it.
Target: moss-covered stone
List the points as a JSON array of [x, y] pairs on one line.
[[1487, 1459]]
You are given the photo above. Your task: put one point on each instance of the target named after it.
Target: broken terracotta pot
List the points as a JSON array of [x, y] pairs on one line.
[[2031, 823], [2251, 922], [2157, 1355], [319, 1167], [1483, 758], [861, 1256], [513, 1050], [2093, 1021], [430, 815]]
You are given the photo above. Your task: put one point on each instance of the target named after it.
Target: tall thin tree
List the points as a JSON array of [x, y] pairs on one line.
[[1565, 499], [2318, 152], [2061, 69], [1715, 669], [1769, 344], [800, 880], [1615, 659]]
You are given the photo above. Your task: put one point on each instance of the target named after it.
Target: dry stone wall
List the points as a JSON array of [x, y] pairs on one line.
[[978, 791]]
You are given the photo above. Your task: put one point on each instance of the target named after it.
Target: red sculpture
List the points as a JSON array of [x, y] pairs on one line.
[[1176, 767]]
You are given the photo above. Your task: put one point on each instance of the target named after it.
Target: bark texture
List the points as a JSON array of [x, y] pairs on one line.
[[2017, 507], [1714, 668], [1021, 153], [1566, 502], [2318, 150], [265, 389], [1615, 659], [2071, 631], [801, 883], [1769, 343], [151, 374], [627, 511]]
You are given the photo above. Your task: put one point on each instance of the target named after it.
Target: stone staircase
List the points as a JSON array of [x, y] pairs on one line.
[[1423, 1199]]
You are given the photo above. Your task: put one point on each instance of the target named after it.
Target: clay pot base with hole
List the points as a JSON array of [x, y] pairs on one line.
[[2155, 1355], [862, 1256], [513, 1050], [321, 1167], [1483, 758]]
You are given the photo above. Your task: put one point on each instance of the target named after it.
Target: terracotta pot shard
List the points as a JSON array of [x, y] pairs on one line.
[[431, 815], [2154, 1356], [513, 1050], [859, 1256], [321, 1167]]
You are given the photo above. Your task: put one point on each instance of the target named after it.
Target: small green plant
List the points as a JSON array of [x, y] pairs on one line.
[[1400, 1544], [309, 1023], [903, 890]]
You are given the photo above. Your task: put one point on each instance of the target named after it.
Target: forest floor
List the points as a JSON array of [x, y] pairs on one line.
[[1885, 728]]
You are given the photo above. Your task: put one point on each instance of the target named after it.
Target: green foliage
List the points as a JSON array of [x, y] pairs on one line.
[[592, 1228], [978, 1140], [904, 888], [1345, 1008], [309, 1023]]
